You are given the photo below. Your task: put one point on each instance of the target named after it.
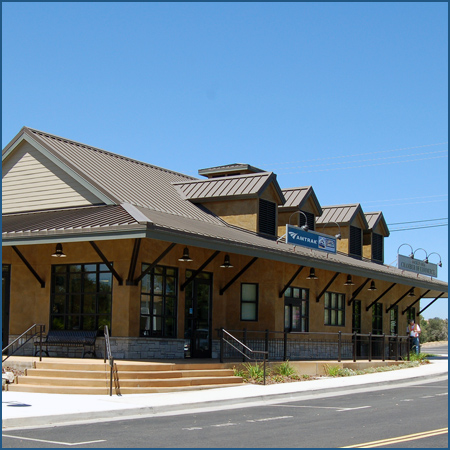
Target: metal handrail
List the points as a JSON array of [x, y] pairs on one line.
[[338, 335], [28, 338], [223, 340], [113, 375]]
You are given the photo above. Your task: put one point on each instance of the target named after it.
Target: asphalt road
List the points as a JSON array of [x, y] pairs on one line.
[[414, 415]]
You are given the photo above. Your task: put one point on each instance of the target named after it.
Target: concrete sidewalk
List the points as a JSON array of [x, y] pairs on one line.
[[21, 410]]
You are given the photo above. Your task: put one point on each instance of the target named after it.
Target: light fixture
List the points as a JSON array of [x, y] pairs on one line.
[[411, 293], [303, 227], [312, 274], [372, 286], [434, 253], [185, 257], [412, 251], [337, 236], [226, 262], [59, 252], [349, 281]]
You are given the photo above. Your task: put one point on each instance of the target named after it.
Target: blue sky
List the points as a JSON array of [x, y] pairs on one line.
[[351, 98]]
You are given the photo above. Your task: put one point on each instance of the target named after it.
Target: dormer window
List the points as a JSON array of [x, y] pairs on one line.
[[377, 247], [267, 218], [355, 245]]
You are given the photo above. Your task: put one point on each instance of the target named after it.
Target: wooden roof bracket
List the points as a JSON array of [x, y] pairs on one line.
[[153, 264], [412, 304], [390, 307], [385, 292], [199, 270], [327, 286], [133, 261], [29, 266], [421, 311], [290, 281], [107, 263], [357, 291], [237, 276]]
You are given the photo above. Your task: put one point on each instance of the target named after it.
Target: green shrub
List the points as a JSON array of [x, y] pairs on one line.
[[254, 371], [285, 369]]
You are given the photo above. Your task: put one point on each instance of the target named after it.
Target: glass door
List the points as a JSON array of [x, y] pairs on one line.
[[6, 276], [197, 331]]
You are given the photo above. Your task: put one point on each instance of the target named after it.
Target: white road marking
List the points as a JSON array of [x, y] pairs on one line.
[[428, 396], [52, 442], [336, 408], [444, 393], [225, 425], [267, 419], [192, 428]]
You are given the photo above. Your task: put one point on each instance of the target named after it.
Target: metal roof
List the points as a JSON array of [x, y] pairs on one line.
[[150, 206], [239, 186], [341, 214], [376, 218], [296, 198], [124, 180], [113, 222]]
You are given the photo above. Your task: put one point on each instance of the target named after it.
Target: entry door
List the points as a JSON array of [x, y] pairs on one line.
[[198, 331], [5, 304]]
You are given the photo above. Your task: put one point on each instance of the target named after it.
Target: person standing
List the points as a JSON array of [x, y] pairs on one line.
[[413, 331]]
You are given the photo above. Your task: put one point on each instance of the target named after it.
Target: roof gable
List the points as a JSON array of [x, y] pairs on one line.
[[344, 215], [229, 187], [298, 198], [114, 178], [377, 224]]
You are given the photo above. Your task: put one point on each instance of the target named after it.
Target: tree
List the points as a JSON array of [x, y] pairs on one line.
[[434, 330]]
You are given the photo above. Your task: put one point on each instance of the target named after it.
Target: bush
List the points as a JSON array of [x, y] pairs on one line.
[[285, 369]]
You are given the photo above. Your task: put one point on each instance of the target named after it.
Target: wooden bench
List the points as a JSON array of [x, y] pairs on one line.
[[68, 338]]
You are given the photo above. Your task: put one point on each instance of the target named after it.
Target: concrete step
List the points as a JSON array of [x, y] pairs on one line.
[[89, 382], [105, 391], [128, 374]]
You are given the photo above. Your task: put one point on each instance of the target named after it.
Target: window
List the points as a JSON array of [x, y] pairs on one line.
[[159, 302], [377, 318], [393, 320], [356, 316], [377, 247], [267, 222], [296, 309], [249, 301], [81, 297], [355, 245], [411, 314], [334, 309]]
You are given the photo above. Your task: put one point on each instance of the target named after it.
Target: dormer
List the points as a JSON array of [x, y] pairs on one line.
[[298, 199], [350, 222], [373, 238], [248, 201]]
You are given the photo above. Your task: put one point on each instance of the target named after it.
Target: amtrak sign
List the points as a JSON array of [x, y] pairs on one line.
[[310, 239], [416, 266]]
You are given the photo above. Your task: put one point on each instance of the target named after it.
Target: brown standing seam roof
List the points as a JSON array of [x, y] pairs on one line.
[[241, 186], [342, 214]]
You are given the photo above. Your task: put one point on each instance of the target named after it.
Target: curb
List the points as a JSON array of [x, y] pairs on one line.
[[146, 411]]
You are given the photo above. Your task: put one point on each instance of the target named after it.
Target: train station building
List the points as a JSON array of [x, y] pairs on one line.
[[166, 261]]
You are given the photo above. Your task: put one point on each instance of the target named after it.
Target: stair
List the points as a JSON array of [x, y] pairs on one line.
[[93, 377]]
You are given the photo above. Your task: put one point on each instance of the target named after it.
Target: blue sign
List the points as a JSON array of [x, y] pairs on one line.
[[310, 239]]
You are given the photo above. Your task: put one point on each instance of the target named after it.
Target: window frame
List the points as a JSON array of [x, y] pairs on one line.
[[68, 296], [255, 301], [336, 309], [290, 301], [151, 317], [377, 319]]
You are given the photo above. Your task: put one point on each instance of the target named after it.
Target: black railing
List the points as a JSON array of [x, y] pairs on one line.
[[35, 331], [240, 347], [113, 374], [301, 346]]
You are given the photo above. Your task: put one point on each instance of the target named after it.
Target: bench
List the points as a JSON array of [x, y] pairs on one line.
[[68, 338]]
